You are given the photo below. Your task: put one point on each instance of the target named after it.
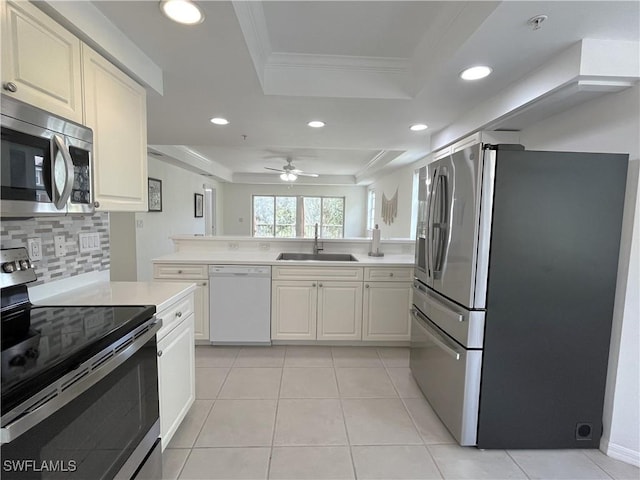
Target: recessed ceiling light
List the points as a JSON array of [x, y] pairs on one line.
[[418, 127], [316, 124], [220, 121], [182, 11], [476, 73]]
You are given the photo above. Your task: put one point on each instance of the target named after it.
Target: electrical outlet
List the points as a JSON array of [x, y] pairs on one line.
[[60, 245], [264, 246], [34, 247], [140, 223], [234, 245]]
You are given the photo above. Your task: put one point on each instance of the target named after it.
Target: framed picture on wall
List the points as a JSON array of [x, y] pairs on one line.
[[197, 204], [155, 195]]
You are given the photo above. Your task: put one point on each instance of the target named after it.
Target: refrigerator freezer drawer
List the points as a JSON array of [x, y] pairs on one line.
[[465, 326], [449, 377]]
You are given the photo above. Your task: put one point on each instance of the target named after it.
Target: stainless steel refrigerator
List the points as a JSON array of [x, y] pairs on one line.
[[516, 265]]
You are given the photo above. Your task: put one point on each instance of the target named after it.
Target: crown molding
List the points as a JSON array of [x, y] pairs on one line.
[[252, 21], [339, 62]]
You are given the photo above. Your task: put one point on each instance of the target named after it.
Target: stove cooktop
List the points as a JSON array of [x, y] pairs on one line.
[[42, 344]]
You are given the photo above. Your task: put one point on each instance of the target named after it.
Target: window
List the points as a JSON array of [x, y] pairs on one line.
[[289, 217], [371, 209], [328, 213]]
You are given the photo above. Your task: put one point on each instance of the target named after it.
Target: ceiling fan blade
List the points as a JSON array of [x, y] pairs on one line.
[[302, 174], [275, 169]]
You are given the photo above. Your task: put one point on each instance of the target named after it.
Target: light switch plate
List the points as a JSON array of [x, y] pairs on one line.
[[88, 242]]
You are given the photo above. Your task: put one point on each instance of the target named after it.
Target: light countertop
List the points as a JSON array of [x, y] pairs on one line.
[[269, 258], [160, 294]]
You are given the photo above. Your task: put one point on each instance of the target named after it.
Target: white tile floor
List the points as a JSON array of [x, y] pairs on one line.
[[338, 413]]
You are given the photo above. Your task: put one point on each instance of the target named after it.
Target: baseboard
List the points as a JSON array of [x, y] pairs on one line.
[[618, 452]]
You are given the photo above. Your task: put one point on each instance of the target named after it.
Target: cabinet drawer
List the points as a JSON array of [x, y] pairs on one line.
[[174, 314], [317, 273], [388, 274], [164, 270]]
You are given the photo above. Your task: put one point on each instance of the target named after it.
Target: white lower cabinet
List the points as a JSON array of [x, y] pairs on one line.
[[197, 274], [386, 309], [316, 303], [176, 374], [339, 311], [293, 310]]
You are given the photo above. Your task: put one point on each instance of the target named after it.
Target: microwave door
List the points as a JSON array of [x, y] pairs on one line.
[[62, 172]]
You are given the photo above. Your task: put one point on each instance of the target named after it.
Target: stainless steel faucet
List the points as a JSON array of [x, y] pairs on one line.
[[316, 248]]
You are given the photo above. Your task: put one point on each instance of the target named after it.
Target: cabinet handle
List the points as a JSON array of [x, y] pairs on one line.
[[319, 284], [96, 204], [179, 271], [178, 314], [391, 274], [203, 284], [366, 285], [10, 87], [313, 284], [159, 353]]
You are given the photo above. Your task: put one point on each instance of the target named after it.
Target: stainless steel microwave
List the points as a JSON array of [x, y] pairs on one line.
[[46, 163]]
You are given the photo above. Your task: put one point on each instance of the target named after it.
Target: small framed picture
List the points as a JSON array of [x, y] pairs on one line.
[[155, 195], [197, 204]]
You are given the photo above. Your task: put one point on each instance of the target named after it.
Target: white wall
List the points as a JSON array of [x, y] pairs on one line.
[[177, 216], [237, 202], [402, 180], [611, 124]]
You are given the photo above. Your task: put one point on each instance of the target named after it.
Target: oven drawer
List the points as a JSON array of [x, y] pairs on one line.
[[448, 375]]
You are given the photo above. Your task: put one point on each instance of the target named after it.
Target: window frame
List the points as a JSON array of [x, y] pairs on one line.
[[299, 214], [321, 224]]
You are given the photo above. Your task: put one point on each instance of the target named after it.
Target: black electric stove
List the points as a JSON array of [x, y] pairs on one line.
[[79, 385], [41, 344]]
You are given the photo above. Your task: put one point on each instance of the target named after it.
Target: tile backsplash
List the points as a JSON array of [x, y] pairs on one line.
[[14, 233]]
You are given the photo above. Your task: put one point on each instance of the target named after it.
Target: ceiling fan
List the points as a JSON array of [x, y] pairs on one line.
[[289, 173]]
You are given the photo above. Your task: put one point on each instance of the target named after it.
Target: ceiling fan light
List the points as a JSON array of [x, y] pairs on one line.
[[182, 11], [288, 177]]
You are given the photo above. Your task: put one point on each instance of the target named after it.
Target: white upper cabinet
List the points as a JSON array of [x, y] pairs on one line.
[[40, 61], [116, 110]]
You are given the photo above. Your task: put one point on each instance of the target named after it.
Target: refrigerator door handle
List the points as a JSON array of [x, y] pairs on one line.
[[436, 337], [442, 198], [431, 200]]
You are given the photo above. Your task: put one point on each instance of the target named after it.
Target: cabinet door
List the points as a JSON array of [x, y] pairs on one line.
[[386, 311], [201, 321], [116, 110], [200, 307], [176, 377], [293, 310], [339, 310], [42, 60]]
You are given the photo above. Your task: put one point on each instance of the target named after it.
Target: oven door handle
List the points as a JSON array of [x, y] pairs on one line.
[[38, 408], [434, 336]]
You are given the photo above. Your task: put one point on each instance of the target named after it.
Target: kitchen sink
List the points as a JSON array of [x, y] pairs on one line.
[[327, 257]]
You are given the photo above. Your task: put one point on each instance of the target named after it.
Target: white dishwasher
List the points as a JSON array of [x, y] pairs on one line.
[[239, 304]]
